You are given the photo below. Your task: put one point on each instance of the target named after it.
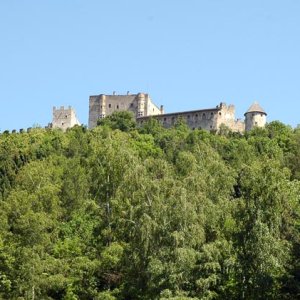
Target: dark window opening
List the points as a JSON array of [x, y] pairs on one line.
[[117, 106], [109, 105], [220, 113]]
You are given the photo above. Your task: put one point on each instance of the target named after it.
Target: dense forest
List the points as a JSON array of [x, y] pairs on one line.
[[127, 212]]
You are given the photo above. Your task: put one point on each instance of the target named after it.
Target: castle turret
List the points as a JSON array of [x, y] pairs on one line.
[[64, 118], [255, 117]]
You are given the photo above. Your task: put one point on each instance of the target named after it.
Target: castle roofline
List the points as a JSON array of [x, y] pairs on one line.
[[120, 95], [255, 107], [183, 112]]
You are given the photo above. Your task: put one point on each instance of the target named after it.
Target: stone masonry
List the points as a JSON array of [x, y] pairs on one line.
[[104, 105], [64, 118], [143, 108], [207, 119]]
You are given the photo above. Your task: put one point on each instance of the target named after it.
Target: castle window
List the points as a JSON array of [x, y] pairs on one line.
[[109, 105], [117, 106], [196, 115], [220, 113], [203, 115], [153, 109], [188, 116], [131, 104], [210, 126], [211, 113], [165, 119]]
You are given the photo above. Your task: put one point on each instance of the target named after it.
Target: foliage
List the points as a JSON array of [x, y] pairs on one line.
[[122, 120], [127, 212]]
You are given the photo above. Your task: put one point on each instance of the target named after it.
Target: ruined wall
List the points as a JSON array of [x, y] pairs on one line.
[[239, 126], [101, 106], [151, 108], [64, 118], [207, 119], [142, 107], [202, 119]]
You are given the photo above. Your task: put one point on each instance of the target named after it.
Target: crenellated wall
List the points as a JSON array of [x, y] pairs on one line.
[[64, 118]]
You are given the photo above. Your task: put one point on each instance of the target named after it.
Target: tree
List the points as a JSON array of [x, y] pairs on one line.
[[122, 120]]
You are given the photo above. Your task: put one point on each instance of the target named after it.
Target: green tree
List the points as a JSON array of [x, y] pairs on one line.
[[122, 120]]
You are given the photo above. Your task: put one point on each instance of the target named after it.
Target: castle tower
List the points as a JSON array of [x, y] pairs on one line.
[[255, 117], [64, 118]]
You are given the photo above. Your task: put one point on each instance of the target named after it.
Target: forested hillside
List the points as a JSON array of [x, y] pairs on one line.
[[121, 212]]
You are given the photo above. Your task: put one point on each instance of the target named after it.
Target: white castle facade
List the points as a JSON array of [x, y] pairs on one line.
[[143, 108]]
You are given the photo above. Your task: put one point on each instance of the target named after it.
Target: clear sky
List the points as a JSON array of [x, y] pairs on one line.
[[187, 54]]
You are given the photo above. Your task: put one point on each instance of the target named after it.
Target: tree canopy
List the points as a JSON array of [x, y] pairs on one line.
[[128, 212]]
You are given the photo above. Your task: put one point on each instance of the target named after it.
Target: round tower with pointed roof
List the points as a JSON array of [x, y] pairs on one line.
[[255, 117]]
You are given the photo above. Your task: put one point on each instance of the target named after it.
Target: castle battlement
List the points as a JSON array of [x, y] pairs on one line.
[[64, 118], [143, 108]]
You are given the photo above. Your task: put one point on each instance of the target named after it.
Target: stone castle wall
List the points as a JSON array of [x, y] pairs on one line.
[[207, 119], [255, 119], [104, 105], [143, 108], [64, 118]]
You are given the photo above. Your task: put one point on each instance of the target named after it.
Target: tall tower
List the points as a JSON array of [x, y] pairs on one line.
[[255, 117], [64, 118]]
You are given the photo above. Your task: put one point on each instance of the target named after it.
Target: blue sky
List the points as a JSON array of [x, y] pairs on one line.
[[186, 54]]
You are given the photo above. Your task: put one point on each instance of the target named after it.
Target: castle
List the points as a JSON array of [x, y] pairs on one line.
[[64, 118], [104, 105], [143, 109]]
